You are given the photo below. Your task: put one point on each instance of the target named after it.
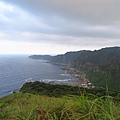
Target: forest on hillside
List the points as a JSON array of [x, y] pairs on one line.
[[102, 67]]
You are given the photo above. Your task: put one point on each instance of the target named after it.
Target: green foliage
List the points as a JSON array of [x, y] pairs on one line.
[[101, 66], [49, 89], [26, 106], [2, 104], [41, 88], [110, 76]]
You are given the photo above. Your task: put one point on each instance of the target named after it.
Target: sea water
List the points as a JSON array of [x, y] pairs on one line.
[[16, 70]]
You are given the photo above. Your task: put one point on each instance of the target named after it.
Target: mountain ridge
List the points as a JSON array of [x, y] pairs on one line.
[[102, 67]]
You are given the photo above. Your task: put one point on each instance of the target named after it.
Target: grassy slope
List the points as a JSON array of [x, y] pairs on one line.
[[26, 106]]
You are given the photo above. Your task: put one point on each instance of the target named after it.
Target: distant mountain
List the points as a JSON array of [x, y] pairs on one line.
[[99, 57], [45, 57], [102, 67]]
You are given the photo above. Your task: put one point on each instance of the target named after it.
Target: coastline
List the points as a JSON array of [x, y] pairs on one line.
[[78, 77]]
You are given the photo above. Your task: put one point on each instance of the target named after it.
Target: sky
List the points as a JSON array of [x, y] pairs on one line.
[[58, 26]]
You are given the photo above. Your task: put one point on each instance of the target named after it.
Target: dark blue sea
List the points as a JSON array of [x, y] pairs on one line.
[[15, 70]]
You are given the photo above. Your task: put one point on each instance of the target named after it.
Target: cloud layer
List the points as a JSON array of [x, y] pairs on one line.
[[79, 24]]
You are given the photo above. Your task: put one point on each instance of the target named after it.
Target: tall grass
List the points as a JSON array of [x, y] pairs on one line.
[[35, 107]]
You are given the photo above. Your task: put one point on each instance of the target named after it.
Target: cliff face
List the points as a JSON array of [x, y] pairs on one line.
[[101, 66]]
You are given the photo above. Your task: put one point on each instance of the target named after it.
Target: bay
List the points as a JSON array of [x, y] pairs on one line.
[[16, 70]]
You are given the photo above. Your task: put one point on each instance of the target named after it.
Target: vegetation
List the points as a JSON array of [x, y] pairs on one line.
[[109, 75], [27, 106], [46, 57], [101, 66], [48, 89], [40, 101], [40, 88]]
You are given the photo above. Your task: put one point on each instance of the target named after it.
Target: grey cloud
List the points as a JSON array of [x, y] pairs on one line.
[[85, 10], [78, 22], [72, 17]]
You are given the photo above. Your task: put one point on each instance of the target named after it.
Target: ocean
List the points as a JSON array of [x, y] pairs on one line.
[[16, 70]]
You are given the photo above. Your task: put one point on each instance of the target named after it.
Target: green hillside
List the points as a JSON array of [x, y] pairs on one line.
[[102, 67], [40, 101], [51, 90], [34, 103]]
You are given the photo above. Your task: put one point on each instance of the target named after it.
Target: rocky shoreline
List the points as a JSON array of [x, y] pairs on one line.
[[77, 78]]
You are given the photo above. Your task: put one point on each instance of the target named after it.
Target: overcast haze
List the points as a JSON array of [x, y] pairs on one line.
[[58, 26]]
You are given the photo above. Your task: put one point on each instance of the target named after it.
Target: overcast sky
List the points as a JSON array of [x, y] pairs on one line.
[[58, 26]]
